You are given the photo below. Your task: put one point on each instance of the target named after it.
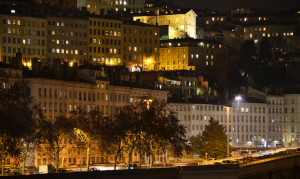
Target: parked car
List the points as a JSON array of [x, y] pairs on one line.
[[72, 165], [94, 169], [217, 163], [132, 165], [226, 161], [15, 173], [62, 170], [29, 173]]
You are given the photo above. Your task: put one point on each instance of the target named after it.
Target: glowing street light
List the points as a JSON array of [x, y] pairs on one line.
[[82, 137], [238, 98]]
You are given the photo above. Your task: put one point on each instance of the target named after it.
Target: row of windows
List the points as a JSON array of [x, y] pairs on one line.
[[105, 33], [29, 51], [63, 107], [275, 101], [107, 24], [135, 57], [272, 29], [62, 24], [108, 41], [207, 57], [135, 49], [24, 41], [81, 96], [66, 42], [108, 59], [66, 33], [25, 23], [108, 50], [124, 2], [206, 117], [141, 40], [66, 51], [24, 32], [140, 31], [217, 108]]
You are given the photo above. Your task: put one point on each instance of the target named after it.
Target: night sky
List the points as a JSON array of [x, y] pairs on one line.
[[226, 5]]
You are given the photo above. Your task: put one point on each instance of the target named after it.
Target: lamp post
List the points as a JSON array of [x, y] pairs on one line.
[[81, 136], [227, 109], [238, 98]]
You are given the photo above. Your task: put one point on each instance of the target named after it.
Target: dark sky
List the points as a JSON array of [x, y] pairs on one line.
[[226, 5]]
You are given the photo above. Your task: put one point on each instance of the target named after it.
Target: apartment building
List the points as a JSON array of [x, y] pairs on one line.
[[67, 35], [93, 6], [247, 126], [105, 41], [189, 54], [180, 23], [123, 5], [24, 33], [291, 118], [141, 46]]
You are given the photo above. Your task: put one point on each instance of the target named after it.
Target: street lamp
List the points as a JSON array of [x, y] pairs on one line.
[[227, 109], [238, 98]]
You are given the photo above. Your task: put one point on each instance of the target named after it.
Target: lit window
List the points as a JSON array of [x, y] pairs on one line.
[[250, 35], [115, 51], [95, 41], [99, 41], [57, 23], [245, 19], [212, 57], [197, 56], [88, 6], [206, 56], [53, 50], [72, 51], [76, 52], [67, 42], [213, 19], [62, 51], [67, 51], [24, 41], [183, 55], [178, 44], [206, 62], [94, 59], [264, 29], [62, 23], [264, 34], [129, 48], [8, 30], [29, 42], [57, 41], [53, 32], [57, 50], [155, 32], [291, 34], [284, 34], [211, 63], [192, 55], [8, 21], [135, 49], [155, 50], [13, 11]]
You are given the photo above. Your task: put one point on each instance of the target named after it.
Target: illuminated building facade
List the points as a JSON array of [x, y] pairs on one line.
[[123, 5], [93, 6], [67, 38], [140, 46], [25, 34], [105, 41], [187, 54], [180, 24]]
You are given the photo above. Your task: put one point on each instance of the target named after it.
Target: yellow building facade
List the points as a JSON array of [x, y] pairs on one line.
[[105, 41], [180, 23], [189, 54], [23, 34], [141, 46]]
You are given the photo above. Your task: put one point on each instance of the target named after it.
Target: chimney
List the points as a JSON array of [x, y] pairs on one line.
[[66, 69], [139, 80], [19, 61], [35, 65], [120, 76], [57, 68], [75, 70], [84, 11]]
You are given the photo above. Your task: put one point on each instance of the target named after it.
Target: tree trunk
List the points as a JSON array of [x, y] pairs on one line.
[[115, 165], [24, 158], [88, 158], [151, 160], [129, 157], [140, 158], [57, 159], [3, 158]]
